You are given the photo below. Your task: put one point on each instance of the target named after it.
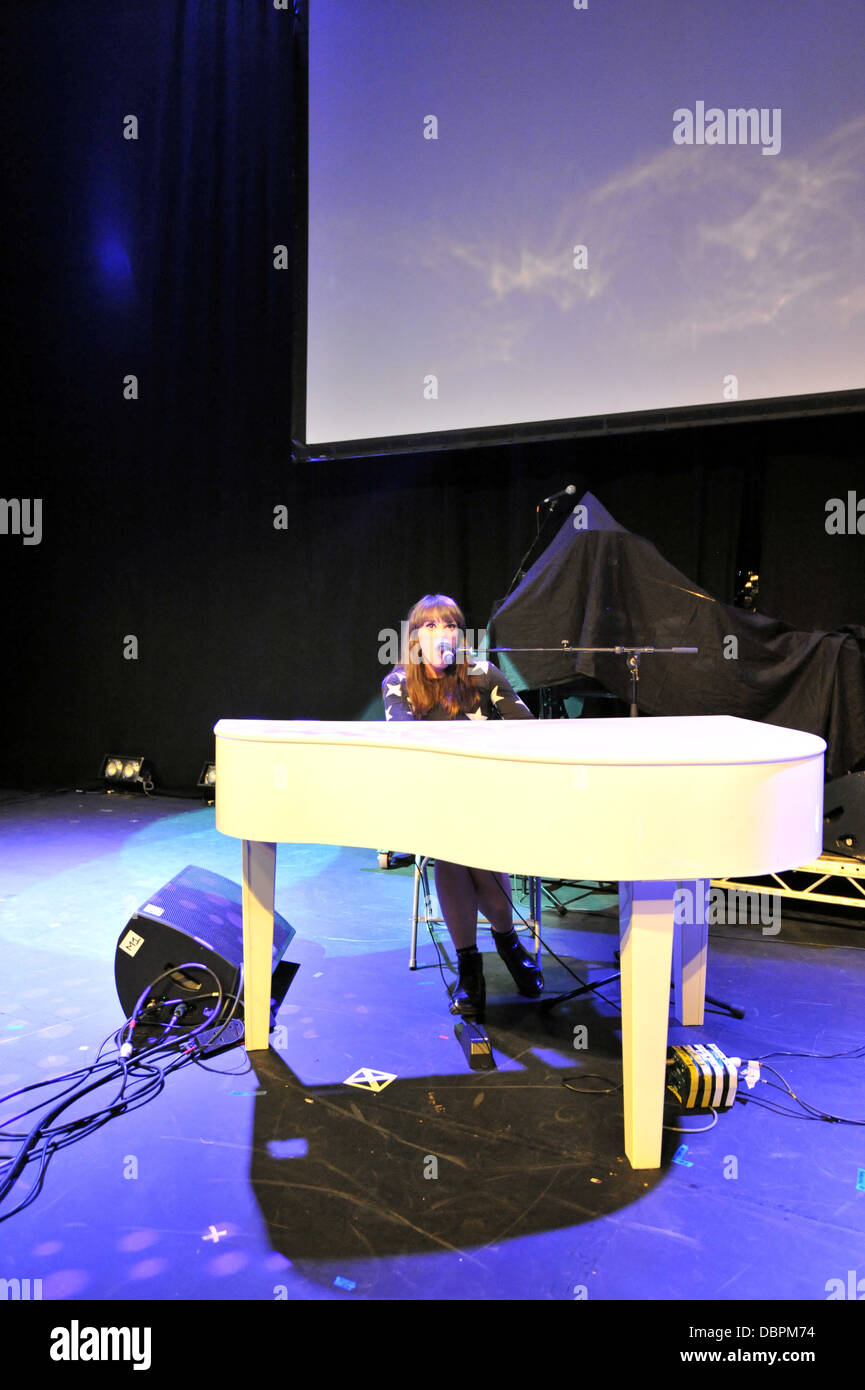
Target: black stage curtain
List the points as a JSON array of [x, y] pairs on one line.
[[253, 587]]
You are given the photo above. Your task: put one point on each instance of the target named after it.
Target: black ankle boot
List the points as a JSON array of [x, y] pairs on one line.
[[470, 996], [524, 972]]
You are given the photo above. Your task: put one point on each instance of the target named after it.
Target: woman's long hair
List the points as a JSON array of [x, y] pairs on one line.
[[454, 691]]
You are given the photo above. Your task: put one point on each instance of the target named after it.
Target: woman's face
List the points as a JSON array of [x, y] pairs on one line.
[[437, 635]]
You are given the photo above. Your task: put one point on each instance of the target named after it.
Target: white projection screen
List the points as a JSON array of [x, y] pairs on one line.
[[531, 219]]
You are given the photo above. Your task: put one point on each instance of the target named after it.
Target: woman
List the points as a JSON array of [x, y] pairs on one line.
[[436, 682]]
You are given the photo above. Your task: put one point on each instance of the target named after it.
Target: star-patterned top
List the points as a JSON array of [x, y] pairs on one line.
[[499, 700]]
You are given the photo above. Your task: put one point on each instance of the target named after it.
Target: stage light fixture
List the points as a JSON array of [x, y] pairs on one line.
[[125, 771], [207, 777]]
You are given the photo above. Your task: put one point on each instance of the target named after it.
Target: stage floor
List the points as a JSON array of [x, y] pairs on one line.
[[280, 1181]]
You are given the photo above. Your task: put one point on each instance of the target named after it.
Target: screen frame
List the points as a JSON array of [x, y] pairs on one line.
[[527, 432]]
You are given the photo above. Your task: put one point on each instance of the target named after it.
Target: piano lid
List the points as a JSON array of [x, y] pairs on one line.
[[671, 742]]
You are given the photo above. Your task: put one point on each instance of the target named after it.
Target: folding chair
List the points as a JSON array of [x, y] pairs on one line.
[[421, 881]]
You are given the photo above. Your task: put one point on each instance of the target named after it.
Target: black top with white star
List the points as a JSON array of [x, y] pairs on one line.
[[499, 700]]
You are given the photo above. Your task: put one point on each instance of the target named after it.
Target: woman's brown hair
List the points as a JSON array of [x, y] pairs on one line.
[[453, 692]]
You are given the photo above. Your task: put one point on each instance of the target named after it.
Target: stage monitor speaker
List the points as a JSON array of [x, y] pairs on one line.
[[844, 816], [195, 920]]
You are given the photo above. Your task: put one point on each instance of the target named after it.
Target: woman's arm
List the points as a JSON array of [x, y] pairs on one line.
[[395, 696], [505, 700]]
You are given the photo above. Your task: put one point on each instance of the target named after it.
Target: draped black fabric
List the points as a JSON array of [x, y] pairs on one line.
[[597, 585], [187, 571]]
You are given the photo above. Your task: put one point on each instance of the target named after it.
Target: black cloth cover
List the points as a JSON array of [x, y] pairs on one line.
[[597, 585]]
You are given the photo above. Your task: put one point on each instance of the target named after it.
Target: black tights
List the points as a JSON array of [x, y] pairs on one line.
[[462, 891]]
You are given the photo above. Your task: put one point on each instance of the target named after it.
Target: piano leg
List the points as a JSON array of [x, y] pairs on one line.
[[645, 949], [259, 873], [690, 944]]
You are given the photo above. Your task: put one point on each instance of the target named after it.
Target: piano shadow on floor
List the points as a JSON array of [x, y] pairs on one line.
[[448, 1161]]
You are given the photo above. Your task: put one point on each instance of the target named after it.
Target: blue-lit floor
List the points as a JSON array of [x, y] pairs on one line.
[[280, 1181]]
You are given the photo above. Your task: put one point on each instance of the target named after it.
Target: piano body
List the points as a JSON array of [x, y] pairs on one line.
[[652, 803]]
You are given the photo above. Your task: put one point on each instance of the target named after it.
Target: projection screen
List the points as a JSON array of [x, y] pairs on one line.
[[528, 219]]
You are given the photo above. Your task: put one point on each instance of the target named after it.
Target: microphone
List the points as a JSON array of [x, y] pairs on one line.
[[446, 651], [565, 492]]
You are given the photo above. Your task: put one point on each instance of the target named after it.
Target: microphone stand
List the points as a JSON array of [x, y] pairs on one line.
[[633, 655], [523, 567]]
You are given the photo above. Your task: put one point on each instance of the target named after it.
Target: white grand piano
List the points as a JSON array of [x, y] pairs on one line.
[[653, 803]]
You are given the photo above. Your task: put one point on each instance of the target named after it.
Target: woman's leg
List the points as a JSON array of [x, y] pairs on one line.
[[460, 892], [494, 898], [458, 900]]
